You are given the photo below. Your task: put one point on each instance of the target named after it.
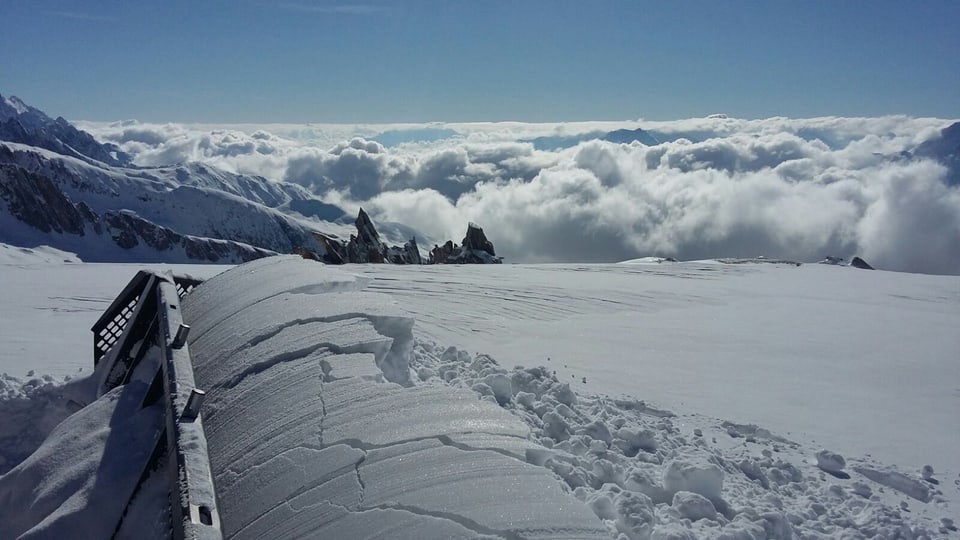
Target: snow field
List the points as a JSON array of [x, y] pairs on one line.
[[333, 412]]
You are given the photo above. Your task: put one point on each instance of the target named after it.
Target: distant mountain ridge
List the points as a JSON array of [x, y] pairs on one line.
[[62, 188], [622, 136], [946, 150], [21, 123]]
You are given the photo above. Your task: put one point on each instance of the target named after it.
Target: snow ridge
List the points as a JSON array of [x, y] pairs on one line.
[[358, 446]]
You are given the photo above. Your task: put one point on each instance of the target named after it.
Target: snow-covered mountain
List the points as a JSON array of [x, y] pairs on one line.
[[62, 188], [24, 124]]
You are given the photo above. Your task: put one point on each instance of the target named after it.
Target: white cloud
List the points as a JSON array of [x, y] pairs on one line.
[[719, 187]]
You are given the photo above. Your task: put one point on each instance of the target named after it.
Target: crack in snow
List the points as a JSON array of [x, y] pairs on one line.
[[393, 365], [363, 485], [323, 409], [260, 338], [260, 367], [463, 521], [443, 439], [447, 441]]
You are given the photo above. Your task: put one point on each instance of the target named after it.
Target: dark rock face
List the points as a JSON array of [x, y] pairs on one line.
[[477, 241], [444, 253], [408, 254], [37, 201], [367, 247], [857, 262], [476, 249]]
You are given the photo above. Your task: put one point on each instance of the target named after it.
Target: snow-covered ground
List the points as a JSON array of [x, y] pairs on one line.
[[811, 352], [679, 399]]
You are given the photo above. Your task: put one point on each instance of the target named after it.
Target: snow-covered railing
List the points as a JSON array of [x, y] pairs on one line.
[[147, 313], [109, 327]]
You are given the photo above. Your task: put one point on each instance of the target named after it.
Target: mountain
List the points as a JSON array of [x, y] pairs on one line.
[[21, 123], [60, 187], [946, 150], [622, 136]]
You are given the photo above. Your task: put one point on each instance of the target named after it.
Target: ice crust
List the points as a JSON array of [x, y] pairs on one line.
[[314, 424]]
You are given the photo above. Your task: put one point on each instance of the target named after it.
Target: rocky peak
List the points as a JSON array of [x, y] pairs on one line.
[[476, 249], [365, 246], [476, 240], [857, 262]]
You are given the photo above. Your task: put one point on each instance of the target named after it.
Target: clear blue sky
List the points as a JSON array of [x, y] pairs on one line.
[[551, 60]]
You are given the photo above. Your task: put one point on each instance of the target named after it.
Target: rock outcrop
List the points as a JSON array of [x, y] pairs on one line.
[[476, 249], [857, 262], [367, 247]]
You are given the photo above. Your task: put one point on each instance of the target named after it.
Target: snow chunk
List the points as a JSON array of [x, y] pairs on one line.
[[830, 461], [500, 384], [635, 515], [693, 506], [672, 531], [693, 471], [898, 481]]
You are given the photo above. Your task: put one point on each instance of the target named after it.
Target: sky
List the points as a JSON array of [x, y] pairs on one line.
[[456, 61]]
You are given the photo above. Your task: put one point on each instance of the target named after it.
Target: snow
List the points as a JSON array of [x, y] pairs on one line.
[[289, 420], [811, 351], [83, 469], [671, 400], [49, 307], [831, 462]]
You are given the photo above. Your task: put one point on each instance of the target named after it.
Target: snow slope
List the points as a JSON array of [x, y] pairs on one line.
[[676, 400]]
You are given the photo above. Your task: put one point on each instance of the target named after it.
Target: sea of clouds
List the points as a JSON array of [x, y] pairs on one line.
[[713, 187]]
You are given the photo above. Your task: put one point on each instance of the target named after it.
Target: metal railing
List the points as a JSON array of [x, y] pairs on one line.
[[146, 314]]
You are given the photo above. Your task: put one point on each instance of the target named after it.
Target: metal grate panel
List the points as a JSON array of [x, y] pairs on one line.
[[108, 335]]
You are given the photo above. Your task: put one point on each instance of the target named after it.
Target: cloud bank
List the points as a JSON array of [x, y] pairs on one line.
[[716, 187]]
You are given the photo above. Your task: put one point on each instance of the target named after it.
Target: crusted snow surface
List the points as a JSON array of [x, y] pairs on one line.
[[316, 427]]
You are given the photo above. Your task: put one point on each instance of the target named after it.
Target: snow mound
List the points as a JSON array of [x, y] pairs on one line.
[[314, 424], [694, 472], [77, 483], [31, 409]]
